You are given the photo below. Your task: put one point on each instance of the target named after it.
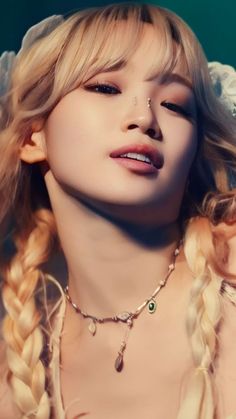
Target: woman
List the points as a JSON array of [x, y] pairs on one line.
[[115, 144]]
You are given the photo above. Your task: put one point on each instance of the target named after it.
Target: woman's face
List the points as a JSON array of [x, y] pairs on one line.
[[95, 123]]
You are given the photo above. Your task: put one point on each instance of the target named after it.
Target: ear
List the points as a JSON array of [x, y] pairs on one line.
[[34, 149]]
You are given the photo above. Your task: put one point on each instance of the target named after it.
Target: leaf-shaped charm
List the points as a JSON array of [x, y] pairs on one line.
[[124, 316], [92, 327]]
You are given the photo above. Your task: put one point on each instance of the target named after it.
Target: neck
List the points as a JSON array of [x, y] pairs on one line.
[[112, 265], [113, 273]]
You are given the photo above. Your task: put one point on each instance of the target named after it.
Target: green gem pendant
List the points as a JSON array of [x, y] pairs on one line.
[[152, 305]]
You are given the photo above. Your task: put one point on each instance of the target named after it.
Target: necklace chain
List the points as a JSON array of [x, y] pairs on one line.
[[127, 317]]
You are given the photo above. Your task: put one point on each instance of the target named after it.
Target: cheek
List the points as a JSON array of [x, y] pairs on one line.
[[180, 147], [71, 138]]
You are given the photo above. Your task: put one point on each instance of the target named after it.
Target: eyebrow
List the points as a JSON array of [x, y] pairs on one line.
[[167, 78]]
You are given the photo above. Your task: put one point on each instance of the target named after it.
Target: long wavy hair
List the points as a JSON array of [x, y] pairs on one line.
[[88, 42]]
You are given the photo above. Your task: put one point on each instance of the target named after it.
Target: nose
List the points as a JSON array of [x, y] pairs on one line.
[[141, 117]]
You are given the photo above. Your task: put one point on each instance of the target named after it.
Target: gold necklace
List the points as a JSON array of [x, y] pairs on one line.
[[127, 317]]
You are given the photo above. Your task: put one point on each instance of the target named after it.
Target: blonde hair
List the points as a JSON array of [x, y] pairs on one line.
[[85, 43]]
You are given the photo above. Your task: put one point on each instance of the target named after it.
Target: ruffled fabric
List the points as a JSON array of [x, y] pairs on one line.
[[36, 32], [224, 83]]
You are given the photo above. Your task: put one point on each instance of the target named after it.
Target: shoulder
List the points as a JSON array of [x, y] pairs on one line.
[[227, 330], [225, 371], [232, 253], [7, 407]]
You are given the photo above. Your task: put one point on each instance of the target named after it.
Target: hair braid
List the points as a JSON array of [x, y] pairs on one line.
[[21, 328], [202, 319]]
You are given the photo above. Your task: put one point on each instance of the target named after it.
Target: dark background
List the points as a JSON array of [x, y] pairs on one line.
[[213, 21]]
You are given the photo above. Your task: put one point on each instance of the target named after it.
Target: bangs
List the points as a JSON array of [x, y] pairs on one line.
[[106, 41]]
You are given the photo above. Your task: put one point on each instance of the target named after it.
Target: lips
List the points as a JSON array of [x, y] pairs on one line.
[[147, 150]]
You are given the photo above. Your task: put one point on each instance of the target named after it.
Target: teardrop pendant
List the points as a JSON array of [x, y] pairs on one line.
[[152, 305], [119, 363]]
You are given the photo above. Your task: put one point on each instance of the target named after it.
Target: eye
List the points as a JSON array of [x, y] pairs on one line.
[[103, 88], [177, 108]]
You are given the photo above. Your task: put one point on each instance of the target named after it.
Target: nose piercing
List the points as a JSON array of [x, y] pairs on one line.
[[148, 101]]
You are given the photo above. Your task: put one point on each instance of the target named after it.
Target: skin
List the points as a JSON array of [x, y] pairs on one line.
[[118, 230]]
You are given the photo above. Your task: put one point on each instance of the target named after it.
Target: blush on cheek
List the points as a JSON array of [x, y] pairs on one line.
[[179, 156], [182, 150]]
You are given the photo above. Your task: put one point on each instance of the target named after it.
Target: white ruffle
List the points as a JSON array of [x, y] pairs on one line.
[[224, 83]]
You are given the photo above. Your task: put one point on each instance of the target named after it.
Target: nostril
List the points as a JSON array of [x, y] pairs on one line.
[[132, 126], [153, 134]]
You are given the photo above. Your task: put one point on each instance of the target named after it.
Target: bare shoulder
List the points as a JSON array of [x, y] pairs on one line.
[[225, 371], [232, 258], [226, 357], [7, 408]]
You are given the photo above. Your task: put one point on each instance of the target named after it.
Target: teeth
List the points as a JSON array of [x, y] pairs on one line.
[[137, 156]]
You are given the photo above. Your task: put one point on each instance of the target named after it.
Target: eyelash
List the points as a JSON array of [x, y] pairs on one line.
[[176, 108], [103, 88], [97, 85]]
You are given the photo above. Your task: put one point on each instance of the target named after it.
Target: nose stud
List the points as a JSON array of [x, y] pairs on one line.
[[135, 101]]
